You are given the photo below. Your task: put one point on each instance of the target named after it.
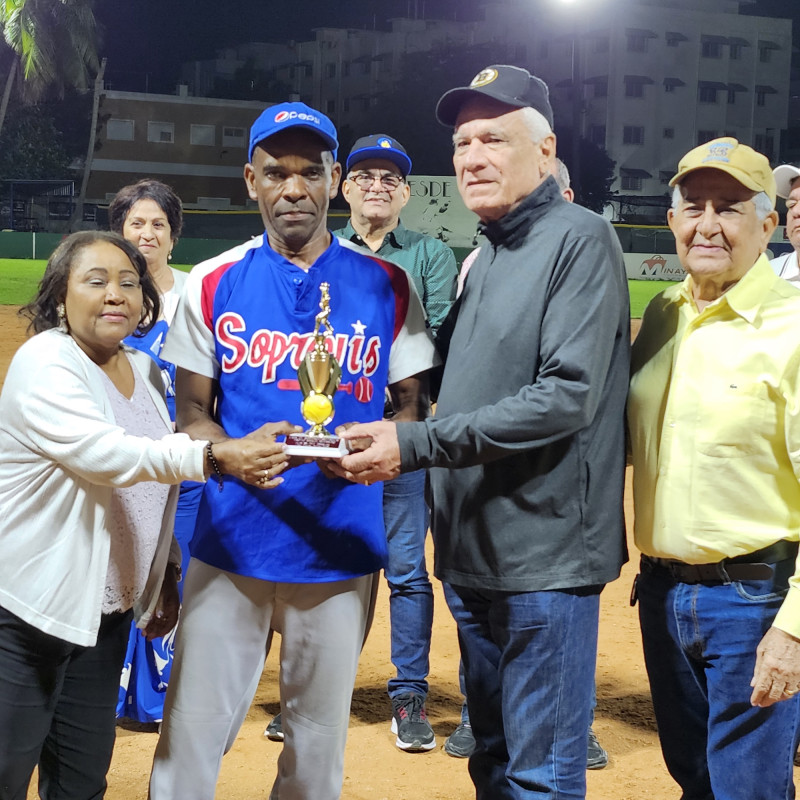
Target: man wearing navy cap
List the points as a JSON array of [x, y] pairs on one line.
[[376, 190], [526, 453], [301, 554]]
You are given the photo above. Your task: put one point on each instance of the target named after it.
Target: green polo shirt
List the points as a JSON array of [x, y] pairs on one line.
[[430, 263]]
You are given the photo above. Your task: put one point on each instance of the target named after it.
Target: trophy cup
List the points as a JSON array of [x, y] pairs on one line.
[[319, 376]]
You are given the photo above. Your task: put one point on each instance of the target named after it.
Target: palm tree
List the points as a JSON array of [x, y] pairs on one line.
[[53, 44]]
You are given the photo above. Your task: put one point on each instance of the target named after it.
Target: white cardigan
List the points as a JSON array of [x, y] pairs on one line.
[[61, 454]]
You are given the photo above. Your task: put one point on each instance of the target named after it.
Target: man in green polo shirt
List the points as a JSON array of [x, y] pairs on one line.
[[376, 190]]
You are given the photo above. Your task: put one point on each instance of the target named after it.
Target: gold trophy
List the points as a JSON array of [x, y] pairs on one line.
[[319, 376]]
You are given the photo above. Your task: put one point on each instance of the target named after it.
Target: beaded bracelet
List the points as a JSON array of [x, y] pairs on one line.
[[215, 465]]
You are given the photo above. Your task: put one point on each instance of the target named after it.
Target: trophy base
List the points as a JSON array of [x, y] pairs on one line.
[[308, 446]]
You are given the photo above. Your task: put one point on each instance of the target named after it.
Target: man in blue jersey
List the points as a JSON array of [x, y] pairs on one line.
[[376, 190], [302, 557]]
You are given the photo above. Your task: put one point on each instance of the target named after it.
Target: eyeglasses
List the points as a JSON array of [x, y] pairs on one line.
[[389, 181]]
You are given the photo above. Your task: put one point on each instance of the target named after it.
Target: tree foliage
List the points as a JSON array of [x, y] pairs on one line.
[[54, 40], [31, 148]]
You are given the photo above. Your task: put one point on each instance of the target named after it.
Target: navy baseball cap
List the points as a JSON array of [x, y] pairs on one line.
[[282, 116], [379, 145], [513, 86]]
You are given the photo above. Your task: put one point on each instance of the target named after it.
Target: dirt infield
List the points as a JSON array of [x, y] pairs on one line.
[[374, 768]]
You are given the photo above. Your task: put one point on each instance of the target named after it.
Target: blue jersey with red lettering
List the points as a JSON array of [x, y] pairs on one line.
[[247, 319]]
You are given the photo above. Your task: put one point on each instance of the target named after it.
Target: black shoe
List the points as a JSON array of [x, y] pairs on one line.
[[274, 731], [460, 743], [797, 757], [596, 757], [410, 723]]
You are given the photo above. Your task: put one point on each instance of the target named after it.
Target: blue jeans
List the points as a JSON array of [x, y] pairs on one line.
[[529, 660], [405, 515], [700, 649]]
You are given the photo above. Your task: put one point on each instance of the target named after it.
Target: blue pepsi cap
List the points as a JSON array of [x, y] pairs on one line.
[[513, 86], [379, 145], [283, 116]]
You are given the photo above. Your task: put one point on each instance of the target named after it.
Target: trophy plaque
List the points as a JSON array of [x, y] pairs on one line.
[[319, 376]]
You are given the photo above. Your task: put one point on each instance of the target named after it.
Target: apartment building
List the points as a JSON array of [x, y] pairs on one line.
[[196, 144]]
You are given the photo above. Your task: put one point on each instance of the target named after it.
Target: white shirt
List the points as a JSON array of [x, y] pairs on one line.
[[62, 453]]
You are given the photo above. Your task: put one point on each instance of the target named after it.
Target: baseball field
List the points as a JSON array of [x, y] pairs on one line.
[[374, 768]]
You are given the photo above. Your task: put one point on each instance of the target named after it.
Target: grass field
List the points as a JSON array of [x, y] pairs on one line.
[[20, 277]]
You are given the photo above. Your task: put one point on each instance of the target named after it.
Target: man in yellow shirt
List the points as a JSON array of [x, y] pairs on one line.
[[714, 417]]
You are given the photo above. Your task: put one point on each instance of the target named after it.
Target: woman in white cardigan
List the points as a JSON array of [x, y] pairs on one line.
[[87, 458]]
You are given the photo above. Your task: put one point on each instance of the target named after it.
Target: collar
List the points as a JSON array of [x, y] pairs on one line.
[[744, 298], [396, 237], [514, 226]]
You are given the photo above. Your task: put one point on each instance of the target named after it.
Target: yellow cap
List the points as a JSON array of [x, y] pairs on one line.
[[749, 167]]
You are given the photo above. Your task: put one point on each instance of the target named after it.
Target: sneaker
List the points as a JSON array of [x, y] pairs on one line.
[[596, 757], [274, 731], [460, 743], [410, 723]]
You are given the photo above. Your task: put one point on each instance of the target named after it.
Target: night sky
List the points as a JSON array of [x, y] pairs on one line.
[[146, 40]]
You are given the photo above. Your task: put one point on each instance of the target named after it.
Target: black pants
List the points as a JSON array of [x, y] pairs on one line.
[[57, 709]]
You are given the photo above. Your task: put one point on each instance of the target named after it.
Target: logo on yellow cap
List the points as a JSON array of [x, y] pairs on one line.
[[484, 76], [719, 151]]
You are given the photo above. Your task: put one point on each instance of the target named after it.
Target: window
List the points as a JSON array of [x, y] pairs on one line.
[[601, 89], [233, 137], [330, 70], [669, 133], [631, 183], [707, 94], [346, 105], [330, 107], [634, 89], [669, 87], [161, 132], [633, 134], [711, 49], [705, 136], [761, 98], [601, 44], [764, 55], [765, 144], [637, 43], [346, 69], [735, 52], [202, 134], [120, 130], [597, 134], [664, 177], [731, 97]]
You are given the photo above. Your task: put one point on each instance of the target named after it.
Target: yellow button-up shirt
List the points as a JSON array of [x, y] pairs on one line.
[[714, 419]]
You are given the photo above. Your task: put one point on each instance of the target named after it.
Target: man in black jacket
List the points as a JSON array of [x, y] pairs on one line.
[[526, 452]]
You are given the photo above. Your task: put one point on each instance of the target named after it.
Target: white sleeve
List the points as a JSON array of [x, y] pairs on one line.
[[53, 408], [413, 350], [190, 342]]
